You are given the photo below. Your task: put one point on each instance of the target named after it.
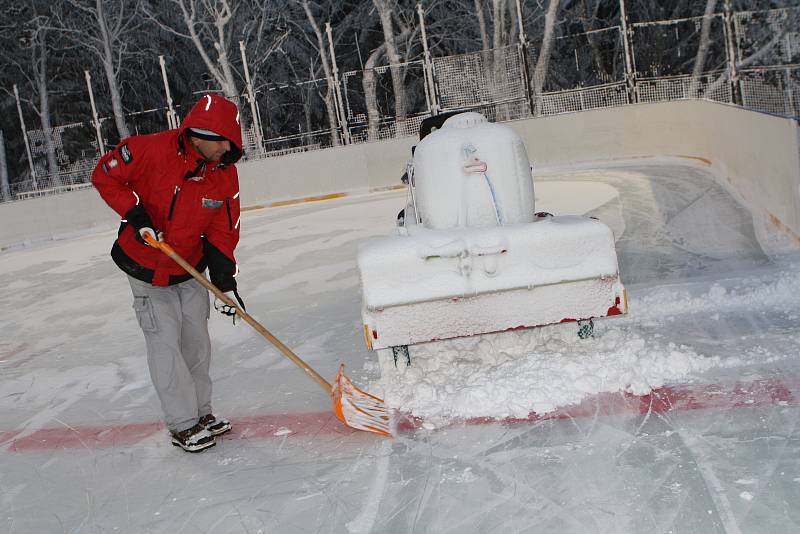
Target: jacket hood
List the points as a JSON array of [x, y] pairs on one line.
[[220, 115]]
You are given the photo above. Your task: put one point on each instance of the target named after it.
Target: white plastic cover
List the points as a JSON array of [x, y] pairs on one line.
[[437, 284], [481, 262], [473, 173]]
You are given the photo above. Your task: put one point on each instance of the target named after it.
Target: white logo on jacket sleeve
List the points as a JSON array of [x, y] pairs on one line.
[[110, 164]]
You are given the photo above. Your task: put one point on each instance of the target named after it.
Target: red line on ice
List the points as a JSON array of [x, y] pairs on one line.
[[13, 351], [94, 437], [666, 399]]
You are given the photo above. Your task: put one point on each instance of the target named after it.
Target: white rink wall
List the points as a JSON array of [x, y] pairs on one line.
[[755, 155]]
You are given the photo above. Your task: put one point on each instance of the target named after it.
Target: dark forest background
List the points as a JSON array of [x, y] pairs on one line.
[[46, 47]]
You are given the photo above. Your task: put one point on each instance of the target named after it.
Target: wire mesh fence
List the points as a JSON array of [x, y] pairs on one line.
[[775, 90], [145, 122], [682, 40], [767, 38], [751, 59], [479, 79], [602, 96], [711, 86], [387, 101], [587, 59], [60, 158], [298, 116]]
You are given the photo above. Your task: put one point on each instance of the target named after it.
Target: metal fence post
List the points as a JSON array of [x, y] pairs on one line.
[[630, 73], [95, 119], [789, 93], [730, 52], [427, 66], [172, 117], [337, 90], [259, 135], [524, 53], [25, 137], [5, 191]]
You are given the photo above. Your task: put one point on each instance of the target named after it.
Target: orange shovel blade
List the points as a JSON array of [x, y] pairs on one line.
[[358, 409]]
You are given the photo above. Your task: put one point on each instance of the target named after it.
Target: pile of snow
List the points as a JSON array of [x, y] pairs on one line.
[[773, 291], [515, 373]]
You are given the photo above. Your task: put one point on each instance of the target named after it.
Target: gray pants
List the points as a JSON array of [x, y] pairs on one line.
[[174, 320]]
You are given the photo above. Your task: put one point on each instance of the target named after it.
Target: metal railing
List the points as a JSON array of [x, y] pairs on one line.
[[495, 82]]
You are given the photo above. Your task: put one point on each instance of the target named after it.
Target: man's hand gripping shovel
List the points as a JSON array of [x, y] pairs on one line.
[[355, 408]]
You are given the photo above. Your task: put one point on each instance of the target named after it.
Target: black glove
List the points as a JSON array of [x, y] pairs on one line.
[[227, 309], [138, 218]]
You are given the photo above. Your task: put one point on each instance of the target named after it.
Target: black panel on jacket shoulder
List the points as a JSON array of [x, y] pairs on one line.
[[125, 153]]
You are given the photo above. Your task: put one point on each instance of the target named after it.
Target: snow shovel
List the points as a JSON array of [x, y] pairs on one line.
[[355, 408]]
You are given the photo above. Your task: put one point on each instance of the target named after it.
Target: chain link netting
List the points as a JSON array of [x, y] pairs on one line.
[[586, 59], [711, 86], [298, 117], [75, 152], [375, 111], [583, 99], [468, 81], [681, 39], [768, 38], [587, 70], [772, 91]]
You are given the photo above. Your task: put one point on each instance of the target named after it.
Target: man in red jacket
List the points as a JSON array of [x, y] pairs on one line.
[[181, 186]]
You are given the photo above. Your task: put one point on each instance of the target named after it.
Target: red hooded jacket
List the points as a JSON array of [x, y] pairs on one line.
[[160, 180]]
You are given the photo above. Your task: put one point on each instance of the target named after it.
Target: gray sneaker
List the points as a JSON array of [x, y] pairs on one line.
[[214, 425], [194, 439]]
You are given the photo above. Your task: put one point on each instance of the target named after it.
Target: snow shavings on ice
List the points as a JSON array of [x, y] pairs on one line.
[[516, 373], [752, 293]]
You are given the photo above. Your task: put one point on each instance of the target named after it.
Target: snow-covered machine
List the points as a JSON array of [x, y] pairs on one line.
[[472, 256]]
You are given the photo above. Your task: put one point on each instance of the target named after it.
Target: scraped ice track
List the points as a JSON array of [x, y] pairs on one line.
[[715, 451]]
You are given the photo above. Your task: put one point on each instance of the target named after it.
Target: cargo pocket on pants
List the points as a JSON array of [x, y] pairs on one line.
[[144, 313]]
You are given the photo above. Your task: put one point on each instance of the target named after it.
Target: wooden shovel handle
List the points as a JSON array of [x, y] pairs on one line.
[[169, 251]]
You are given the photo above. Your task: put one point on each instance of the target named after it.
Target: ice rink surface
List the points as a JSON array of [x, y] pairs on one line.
[[82, 448]]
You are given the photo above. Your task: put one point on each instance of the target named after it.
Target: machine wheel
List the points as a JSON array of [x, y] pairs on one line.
[[401, 351], [585, 328]]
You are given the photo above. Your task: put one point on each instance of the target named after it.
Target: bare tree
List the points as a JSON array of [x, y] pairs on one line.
[[777, 36], [106, 28], [543, 61], [499, 33], [702, 50], [207, 27], [385, 9], [512, 32], [31, 62], [330, 96], [264, 32], [5, 191], [370, 86], [370, 92], [481, 16], [588, 18]]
